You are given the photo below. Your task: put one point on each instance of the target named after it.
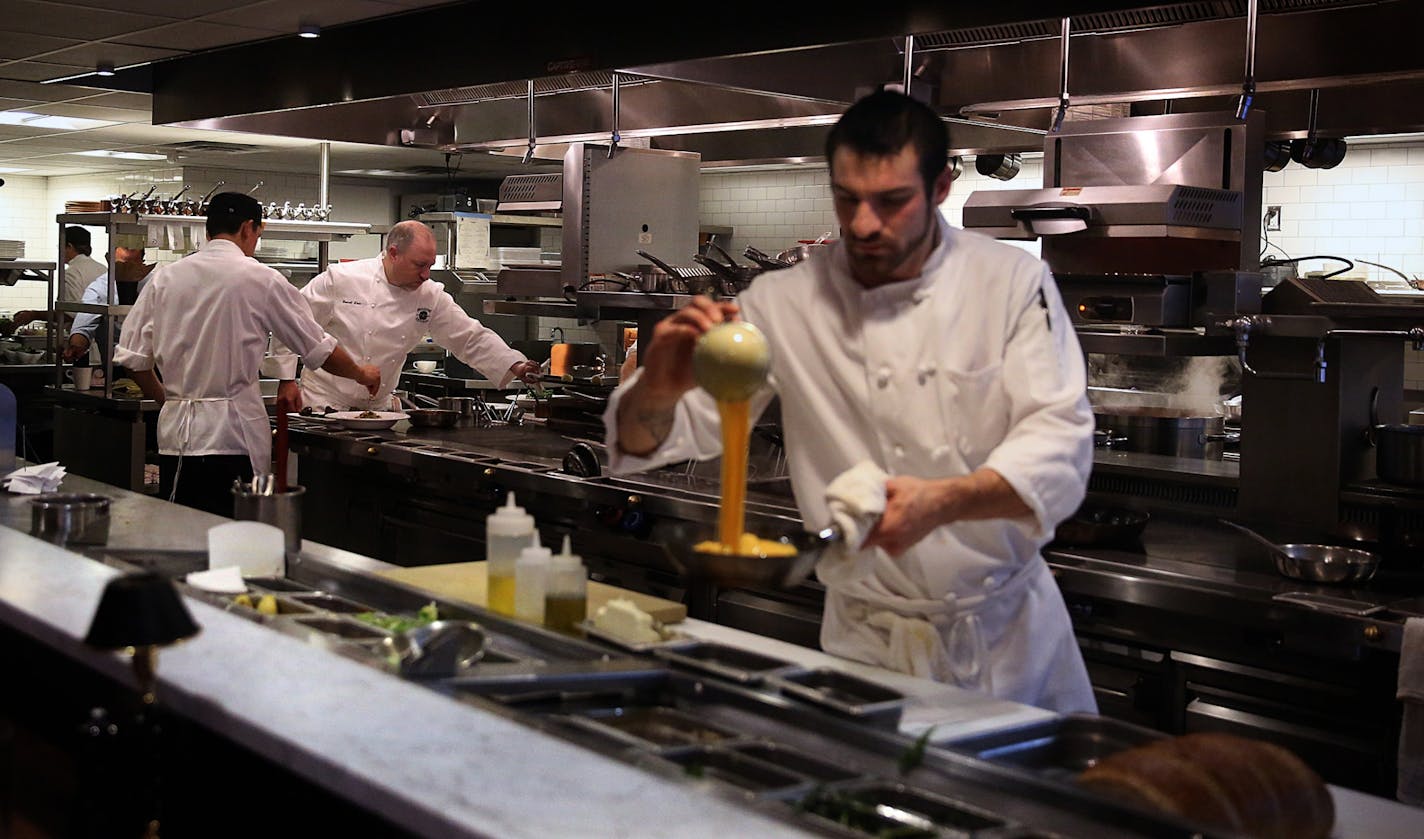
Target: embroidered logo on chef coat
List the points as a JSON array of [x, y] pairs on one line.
[[422, 315], [353, 302]]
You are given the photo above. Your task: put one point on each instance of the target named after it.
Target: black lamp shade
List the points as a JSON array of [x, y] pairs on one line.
[[138, 610]]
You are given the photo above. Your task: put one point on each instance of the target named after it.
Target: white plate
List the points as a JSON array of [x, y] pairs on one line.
[[671, 639], [353, 419]]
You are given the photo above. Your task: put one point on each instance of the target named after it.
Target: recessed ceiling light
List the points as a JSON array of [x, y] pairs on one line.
[[46, 121], [121, 155], [309, 30], [10, 170], [105, 68]]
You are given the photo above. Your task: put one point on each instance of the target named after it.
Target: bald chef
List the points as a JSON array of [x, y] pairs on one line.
[[380, 308]]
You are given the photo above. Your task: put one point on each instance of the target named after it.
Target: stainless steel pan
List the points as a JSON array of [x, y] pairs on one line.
[[1317, 563]]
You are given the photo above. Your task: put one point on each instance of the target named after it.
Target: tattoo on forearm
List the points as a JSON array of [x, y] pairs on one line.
[[658, 423]]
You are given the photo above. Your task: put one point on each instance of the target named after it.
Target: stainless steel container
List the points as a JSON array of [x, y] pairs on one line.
[[282, 510], [1166, 431], [70, 518], [464, 407]]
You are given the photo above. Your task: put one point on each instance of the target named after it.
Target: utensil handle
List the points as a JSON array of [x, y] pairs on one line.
[[280, 444]]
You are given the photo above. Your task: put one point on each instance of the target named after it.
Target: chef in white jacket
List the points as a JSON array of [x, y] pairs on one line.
[[203, 323], [379, 309], [939, 356]]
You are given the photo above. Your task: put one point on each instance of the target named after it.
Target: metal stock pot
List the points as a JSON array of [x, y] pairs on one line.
[[1177, 432]]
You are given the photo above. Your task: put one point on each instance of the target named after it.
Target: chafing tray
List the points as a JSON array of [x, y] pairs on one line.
[[728, 662], [1062, 746], [845, 694]]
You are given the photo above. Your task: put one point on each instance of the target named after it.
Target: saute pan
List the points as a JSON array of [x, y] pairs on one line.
[[1317, 563], [1092, 527]]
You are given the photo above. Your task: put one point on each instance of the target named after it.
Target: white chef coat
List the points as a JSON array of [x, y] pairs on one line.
[[79, 272], [972, 364], [203, 321], [379, 323]]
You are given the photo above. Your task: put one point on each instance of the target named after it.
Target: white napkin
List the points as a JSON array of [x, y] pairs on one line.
[[1411, 733], [856, 499], [35, 480], [226, 580]]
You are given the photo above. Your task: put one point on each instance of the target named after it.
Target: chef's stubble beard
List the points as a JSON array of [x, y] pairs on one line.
[[872, 269]]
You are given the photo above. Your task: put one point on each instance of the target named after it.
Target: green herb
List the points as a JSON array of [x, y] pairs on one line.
[[913, 756], [399, 623]]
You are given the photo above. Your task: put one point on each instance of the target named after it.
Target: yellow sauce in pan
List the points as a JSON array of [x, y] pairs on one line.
[[732, 538]]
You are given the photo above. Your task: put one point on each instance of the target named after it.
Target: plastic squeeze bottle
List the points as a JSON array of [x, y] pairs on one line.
[[566, 591], [530, 574], [508, 531]]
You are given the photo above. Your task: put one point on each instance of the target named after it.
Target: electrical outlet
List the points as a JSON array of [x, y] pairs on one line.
[[1273, 218]]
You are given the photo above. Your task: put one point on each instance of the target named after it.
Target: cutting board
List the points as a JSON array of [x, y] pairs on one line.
[[466, 581]]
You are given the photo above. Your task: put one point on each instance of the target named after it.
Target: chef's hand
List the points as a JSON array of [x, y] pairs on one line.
[[78, 347], [667, 363], [528, 372], [289, 397], [25, 316], [369, 376], [913, 507]]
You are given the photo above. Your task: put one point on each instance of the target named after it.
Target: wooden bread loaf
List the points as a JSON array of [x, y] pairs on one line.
[[1221, 781]]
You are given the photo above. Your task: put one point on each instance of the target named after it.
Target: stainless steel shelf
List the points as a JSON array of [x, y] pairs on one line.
[[93, 308], [532, 308], [502, 219], [290, 229], [1163, 343]]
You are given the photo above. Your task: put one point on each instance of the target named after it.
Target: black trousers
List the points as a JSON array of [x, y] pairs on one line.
[[205, 481]]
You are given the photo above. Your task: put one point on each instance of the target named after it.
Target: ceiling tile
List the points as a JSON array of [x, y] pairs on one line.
[[39, 71], [195, 35], [120, 55], [286, 15], [16, 45], [68, 109], [131, 101], [176, 9], [35, 91], [92, 25]]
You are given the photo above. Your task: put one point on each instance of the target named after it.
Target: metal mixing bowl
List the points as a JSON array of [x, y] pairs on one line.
[[1325, 563]]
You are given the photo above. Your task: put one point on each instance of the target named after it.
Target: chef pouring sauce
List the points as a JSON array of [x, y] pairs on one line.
[[730, 362], [938, 370]]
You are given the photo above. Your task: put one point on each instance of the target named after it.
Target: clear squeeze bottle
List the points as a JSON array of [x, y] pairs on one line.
[[530, 574], [508, 531], [566, 591]]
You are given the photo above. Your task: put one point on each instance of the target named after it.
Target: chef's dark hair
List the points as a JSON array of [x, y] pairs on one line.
[[883, 123], [78, 238], [228, 210]]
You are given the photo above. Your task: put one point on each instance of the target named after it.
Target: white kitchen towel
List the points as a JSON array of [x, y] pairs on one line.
[[856, 499], [1411, 733], [35, 480]]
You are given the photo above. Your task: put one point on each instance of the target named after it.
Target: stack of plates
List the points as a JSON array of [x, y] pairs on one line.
[[12, 249], [84, 206]]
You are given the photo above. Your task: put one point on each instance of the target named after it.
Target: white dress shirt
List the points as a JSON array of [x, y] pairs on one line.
[[972, 364], [204, 321], [379, 323], [96, 292]]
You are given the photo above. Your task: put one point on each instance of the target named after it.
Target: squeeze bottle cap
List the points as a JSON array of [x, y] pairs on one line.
[[567, 559], [535, 552], [509, 520]]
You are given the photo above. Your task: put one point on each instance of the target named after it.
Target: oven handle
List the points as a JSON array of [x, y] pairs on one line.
[[1053, 219]]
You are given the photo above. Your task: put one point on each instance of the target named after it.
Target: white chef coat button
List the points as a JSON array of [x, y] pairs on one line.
[[882, 377], [990, 582], [899, 452], [963, 444], [921, 296]]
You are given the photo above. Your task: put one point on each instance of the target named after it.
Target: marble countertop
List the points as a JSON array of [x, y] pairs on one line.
[[302, 706]]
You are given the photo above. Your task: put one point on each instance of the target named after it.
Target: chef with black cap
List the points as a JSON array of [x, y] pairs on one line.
[[203, 324]]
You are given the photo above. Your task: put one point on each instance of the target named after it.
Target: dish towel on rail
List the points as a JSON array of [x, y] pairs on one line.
[[1411, 733]]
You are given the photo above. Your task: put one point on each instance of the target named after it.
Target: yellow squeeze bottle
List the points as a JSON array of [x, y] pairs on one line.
[[508, 531]]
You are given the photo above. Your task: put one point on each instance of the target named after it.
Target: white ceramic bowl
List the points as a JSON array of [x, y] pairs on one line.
[[353, 419]]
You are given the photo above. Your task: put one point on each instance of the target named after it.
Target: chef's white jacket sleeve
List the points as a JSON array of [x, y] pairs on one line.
[[1048, 451], [471, 341], [696, 430], [281, 362], [135, 350], [73, 286], [290, 321]]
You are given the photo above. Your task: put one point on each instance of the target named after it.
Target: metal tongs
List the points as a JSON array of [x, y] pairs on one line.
[[440, 649]]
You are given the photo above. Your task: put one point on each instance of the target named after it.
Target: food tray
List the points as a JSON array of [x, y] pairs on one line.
[[739, 665], [1063, 746], [844, 694], [672, 639], [736, 769], [660, 727]]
